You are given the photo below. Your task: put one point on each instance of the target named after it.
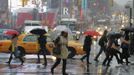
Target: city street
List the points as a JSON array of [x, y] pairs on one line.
[[68, 28], [74, 66]]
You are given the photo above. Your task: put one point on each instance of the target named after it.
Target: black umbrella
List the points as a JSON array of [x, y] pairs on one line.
[[114, 35], [38, 31], [129, 29]]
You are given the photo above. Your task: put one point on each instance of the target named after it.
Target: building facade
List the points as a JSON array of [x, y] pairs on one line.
[[3, 11]]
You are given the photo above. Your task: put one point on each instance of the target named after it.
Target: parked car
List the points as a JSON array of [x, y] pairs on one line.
[[28, 42]]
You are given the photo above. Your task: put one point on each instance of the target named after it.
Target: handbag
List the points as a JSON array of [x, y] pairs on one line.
[[57, 50], [18, 52]]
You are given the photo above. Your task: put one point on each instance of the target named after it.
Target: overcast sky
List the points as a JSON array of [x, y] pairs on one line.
[[122, 2]]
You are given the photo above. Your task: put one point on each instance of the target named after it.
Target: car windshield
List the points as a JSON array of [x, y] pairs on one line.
[[30, 38], [33, 38]]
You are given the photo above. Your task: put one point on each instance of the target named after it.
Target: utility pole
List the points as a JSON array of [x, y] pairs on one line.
[[130, 18], [133, 11], [10, 14], [130, 14]]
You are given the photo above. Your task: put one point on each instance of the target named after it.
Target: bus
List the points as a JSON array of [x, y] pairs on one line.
[[69, 22], [32, 24]]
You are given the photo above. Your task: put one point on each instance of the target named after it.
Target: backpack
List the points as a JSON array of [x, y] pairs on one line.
[[19, 52], [102, 41]]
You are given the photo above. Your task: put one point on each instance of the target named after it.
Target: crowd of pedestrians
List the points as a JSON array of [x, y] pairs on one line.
[[61, 42], [111, 47], [108, 44]]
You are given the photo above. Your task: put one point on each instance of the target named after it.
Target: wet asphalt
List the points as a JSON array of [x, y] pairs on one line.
[[74, 66]]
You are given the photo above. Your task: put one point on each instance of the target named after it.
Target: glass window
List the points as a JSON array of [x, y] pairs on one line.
[[1, 37], [4, 37], [35, 25], [28, 24], [30, 38]]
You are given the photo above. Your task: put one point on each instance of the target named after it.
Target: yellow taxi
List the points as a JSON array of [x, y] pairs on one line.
[[28, 42], [4, 43]]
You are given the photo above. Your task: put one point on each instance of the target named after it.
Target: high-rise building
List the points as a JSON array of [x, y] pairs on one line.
[[55, 3], [3, 11], [3, 5]]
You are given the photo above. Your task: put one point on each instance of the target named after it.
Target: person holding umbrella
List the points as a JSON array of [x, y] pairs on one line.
[[62, 41], [12, 49], [87, 48], [42, 43], [125, 47], [42, 48], [102, 44], [112, 49]]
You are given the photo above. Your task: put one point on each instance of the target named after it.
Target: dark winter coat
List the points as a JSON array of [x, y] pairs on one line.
[[87, 43], [42, 41]]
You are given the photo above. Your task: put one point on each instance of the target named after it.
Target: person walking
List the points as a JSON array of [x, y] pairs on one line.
[[12, 49], [42, 48], [102, 44], [87, 48], [125, 47], [62, 42], [114, 51], [108, 51]]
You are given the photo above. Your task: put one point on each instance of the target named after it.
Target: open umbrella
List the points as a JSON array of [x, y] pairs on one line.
[[11, 32], [129, 29], [92, 33], [63, 28], [38, 31], [114, 35], [57, 31]]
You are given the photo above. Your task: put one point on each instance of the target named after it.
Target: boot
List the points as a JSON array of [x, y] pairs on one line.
[[22, 62], [52, 71], [9, 60], [65, 74], [38, 61], [8, 63]]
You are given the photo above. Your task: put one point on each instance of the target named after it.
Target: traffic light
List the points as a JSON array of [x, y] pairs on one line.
[[24, 2]]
